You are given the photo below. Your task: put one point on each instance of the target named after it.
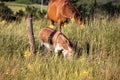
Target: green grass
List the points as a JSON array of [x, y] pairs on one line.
[[16, 6], [97, 56]]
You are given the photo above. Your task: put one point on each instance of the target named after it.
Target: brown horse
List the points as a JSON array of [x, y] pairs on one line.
[[61, 11]]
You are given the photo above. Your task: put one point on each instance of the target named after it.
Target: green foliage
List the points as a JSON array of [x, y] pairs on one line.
[[5, 13], [8, 15], [6, 0], [24, 1], [31, 1], [34, 12], [19, 15], [90, 8], [112, 9]]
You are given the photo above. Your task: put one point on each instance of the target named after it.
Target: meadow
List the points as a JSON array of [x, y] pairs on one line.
[[97, 56], [17, 6]]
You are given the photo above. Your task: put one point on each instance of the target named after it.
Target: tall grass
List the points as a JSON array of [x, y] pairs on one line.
[[97, 56]]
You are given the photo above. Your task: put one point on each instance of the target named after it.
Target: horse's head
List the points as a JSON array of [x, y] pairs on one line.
[[72, 12], [79, 20]]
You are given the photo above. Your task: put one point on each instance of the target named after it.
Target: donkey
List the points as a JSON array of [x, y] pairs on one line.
[[61, 11], [56, 41]]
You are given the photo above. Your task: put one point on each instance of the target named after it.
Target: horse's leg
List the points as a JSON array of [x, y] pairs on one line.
[[50, 22], [59, 25]]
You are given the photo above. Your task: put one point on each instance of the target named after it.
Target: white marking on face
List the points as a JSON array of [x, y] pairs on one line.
[[57, 48], [64, 52], [67, 54]]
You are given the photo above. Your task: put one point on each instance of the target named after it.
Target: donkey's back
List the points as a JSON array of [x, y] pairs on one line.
[[56, 41]]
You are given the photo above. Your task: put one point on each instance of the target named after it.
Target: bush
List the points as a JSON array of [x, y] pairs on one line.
[[34, 12], [89, 9], [19, 15], [112, 9], [6, 13]]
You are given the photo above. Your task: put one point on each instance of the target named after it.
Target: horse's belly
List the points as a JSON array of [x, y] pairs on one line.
[[52, 13]]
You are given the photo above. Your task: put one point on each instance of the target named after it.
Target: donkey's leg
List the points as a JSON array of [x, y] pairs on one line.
[[40, 45], [43, 48]]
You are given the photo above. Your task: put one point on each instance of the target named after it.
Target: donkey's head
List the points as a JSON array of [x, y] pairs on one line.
[[67, 47]]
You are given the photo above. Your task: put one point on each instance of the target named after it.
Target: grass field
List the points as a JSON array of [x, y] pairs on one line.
[[16, 7], [97, 56]]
